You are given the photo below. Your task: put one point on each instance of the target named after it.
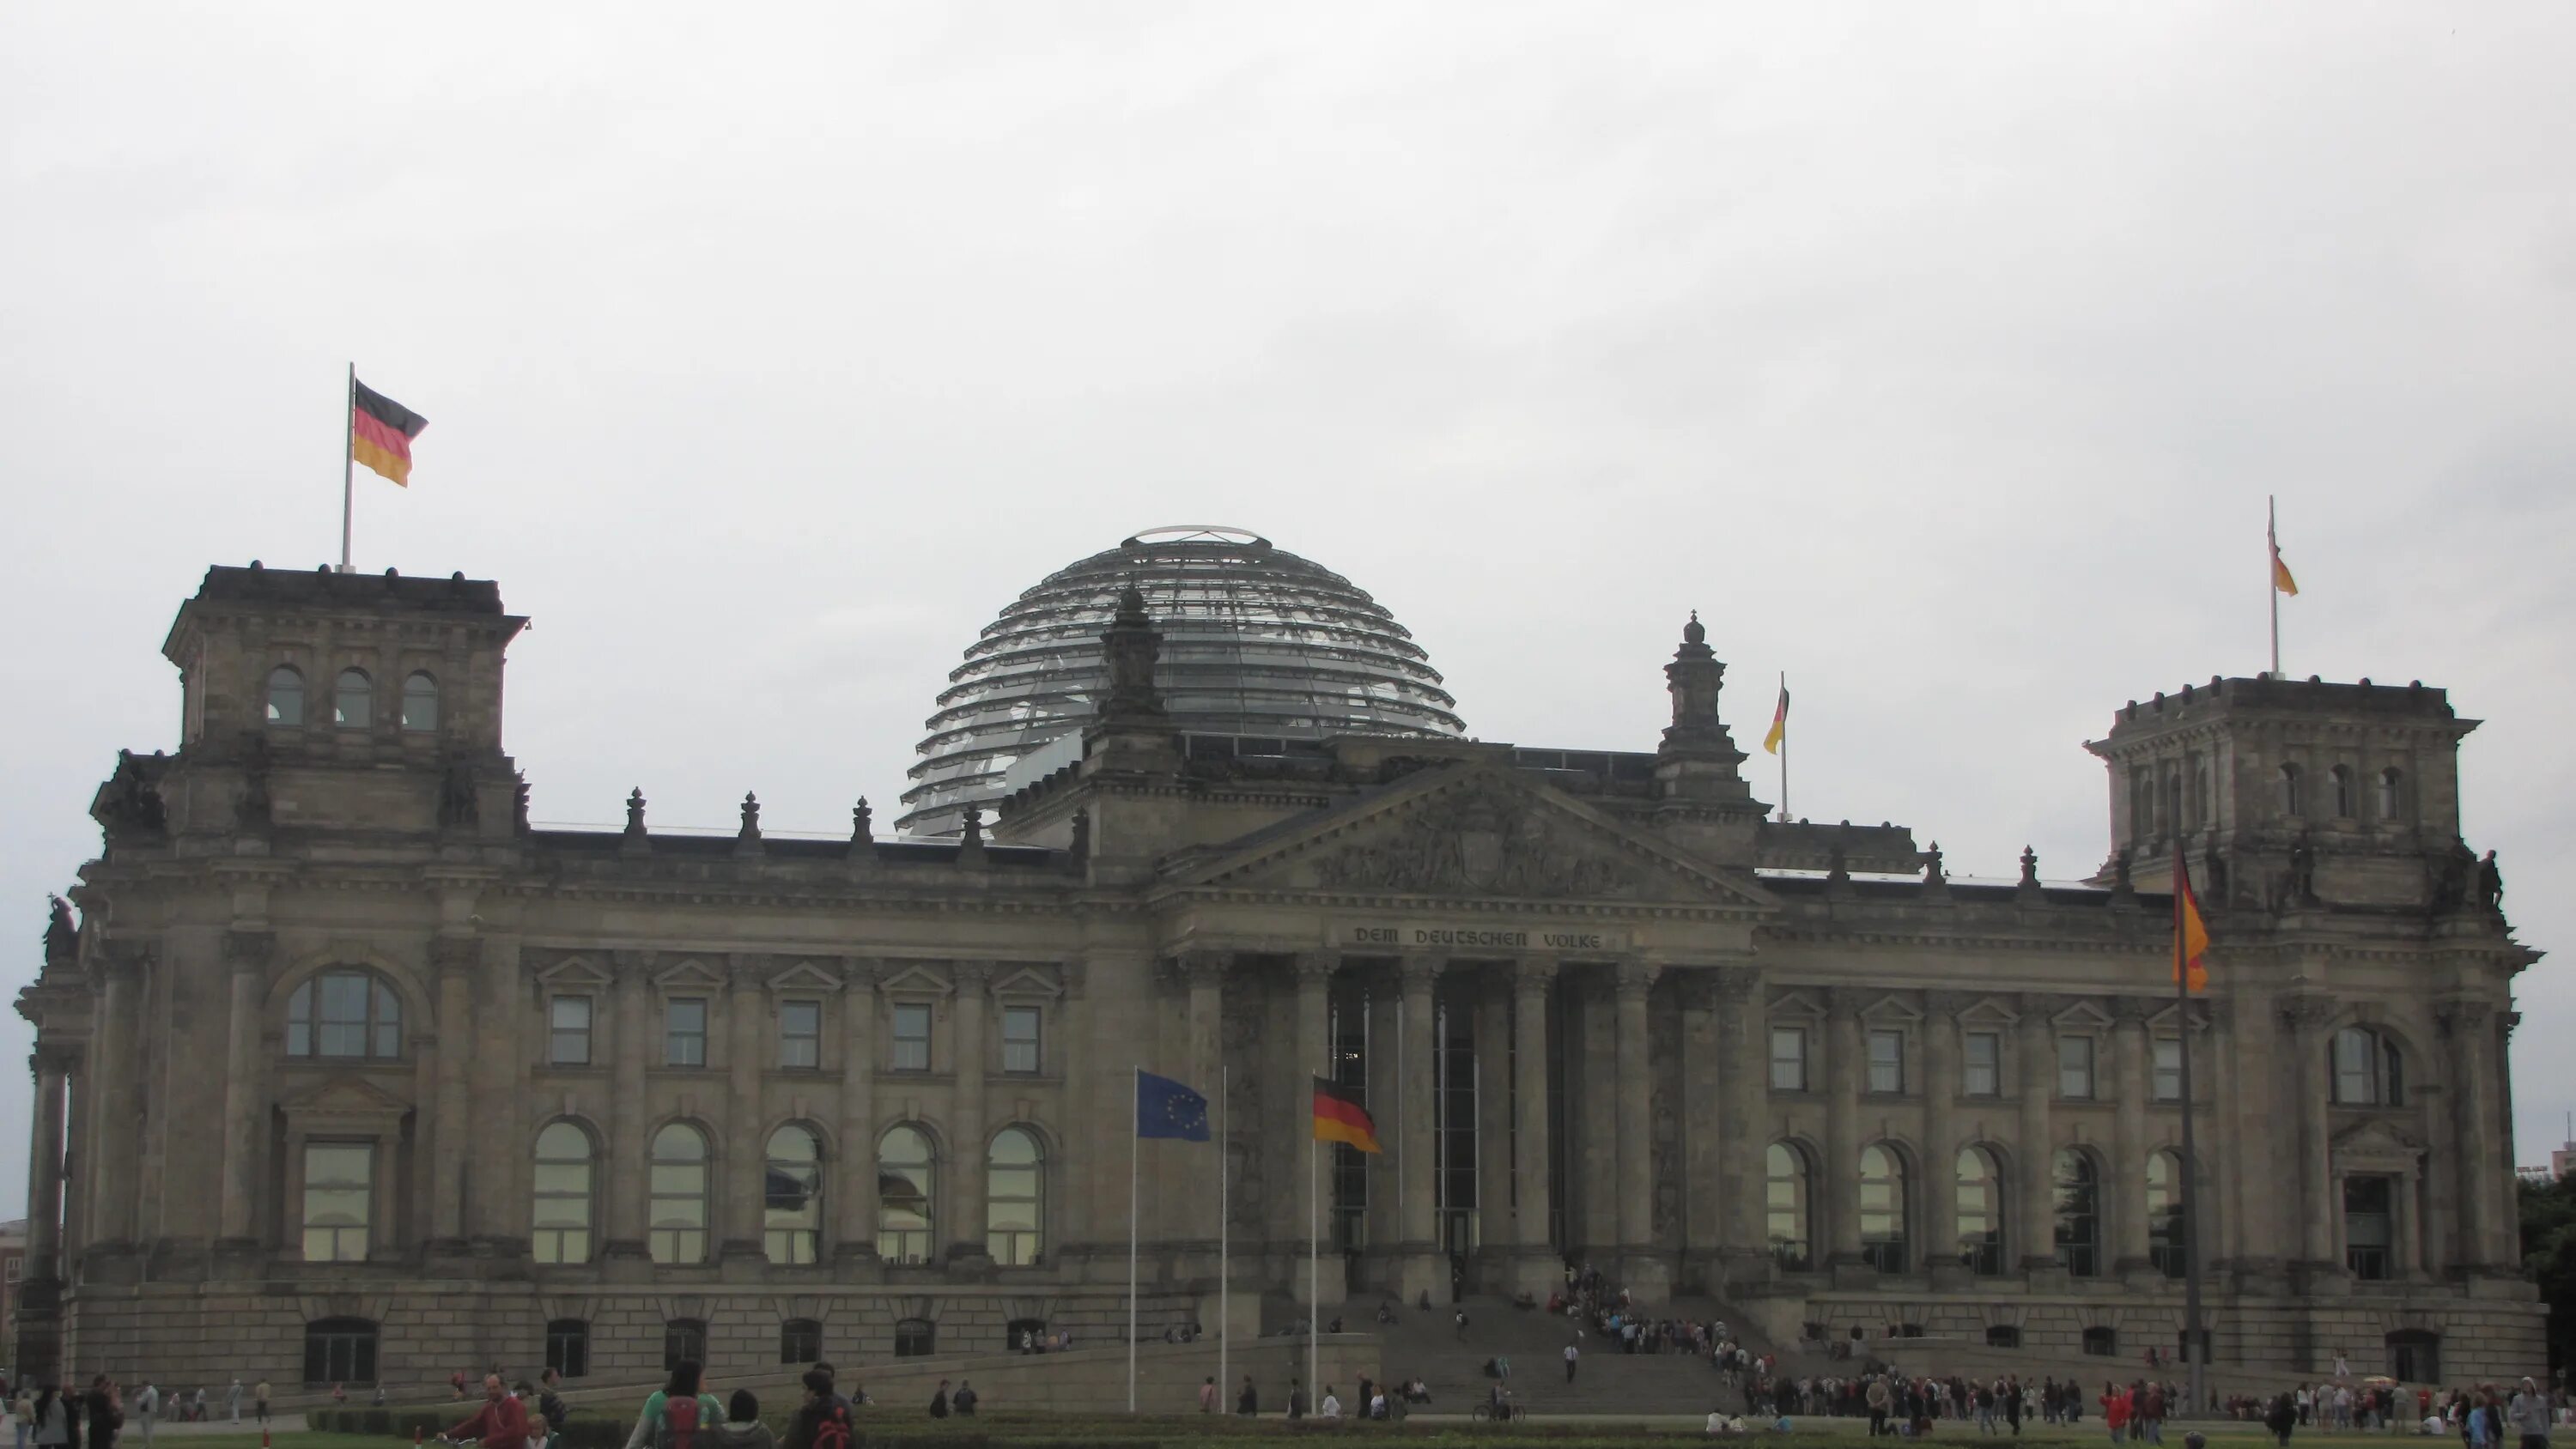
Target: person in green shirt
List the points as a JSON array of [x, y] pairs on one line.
[[678, 1415]]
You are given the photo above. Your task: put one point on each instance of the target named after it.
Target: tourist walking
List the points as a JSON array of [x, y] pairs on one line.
[[502, 1422], [964, 1400], [57, 1419], [22, 1411], [823, 1420], [1573, 1356], [1248, 1403], [106, 1412], [1207, 1395], [147, 1410], [939, 1401], [674, 1413], [2528, 1416], [259, 1402], [233, 1398]]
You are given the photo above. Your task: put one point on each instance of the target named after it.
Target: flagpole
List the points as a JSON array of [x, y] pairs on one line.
[[2272, 573], [1135, 1087], [1224, 1211], [2188, 1188], [348, 454], [1785, 816]]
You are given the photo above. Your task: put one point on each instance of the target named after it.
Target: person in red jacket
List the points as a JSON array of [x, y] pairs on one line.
[[502, 1422], [2115, 1408]]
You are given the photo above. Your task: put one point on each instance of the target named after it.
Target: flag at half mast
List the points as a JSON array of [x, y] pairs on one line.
[[380, 432], [2191, 933], [1339, 1117]]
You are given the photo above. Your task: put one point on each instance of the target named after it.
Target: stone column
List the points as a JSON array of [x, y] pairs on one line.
[[1306, 1060], [1203, 972], [1420, 1266], [452, 962], [627, 1178], [1743, 1086], [2255, 1139], [1384, 1082], [245, 1086], [1940, 1087], [2124, 1183], [743, 1157], [1703, 1225], [114, 1126], [1494, 1233], [495, 1208], [52, 1068], [1535, 1268], [2404, 1225], [969, 1132], [854, 1232], [1646, 1271], [2320, 1210], [1839, 1174], [2035, 1222], [2468, 1025]]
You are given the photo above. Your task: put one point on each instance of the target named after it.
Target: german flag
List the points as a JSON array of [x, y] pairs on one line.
[[1339, 1117], [380, 432], [2191, 933]]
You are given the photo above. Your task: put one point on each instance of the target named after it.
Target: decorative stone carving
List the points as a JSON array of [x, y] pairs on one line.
[[2307, 1013], [457, 809], [1532, 977], [1737, 985], [452, 953], [635, 813], [1480, 843], [862, 823], [1635, 979], [249, 950], [131, 805]]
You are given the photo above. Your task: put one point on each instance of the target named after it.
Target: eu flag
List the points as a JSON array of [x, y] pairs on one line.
[[1165, 1108]]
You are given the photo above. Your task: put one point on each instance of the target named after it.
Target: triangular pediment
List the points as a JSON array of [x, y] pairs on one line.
[[574, 973], [806, 976], [2376, 1141], [1026, 980], [1472, 831], [691, 974], [345, 1097]]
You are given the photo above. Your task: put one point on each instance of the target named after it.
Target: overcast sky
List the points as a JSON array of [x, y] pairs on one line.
[[1940, 356]]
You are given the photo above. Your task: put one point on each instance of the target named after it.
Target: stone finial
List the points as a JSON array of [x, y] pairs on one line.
[[635, 811], [1694, 632], [862, 826], [750, 816], [971, 836], [2029, 866], [1693, 679], [519, 802], [1936, 881], [1133, 646]]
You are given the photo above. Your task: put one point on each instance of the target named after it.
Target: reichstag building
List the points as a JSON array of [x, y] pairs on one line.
[[346, 1072]]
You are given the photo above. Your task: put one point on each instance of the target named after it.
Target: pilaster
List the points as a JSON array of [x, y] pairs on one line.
[[1940, 1087], [1535, 1269], [970, 1131], [2124, 1183], [624, 1253], [1648, 1273], [854, 1235], [1420, 1267], [1838, 1176]]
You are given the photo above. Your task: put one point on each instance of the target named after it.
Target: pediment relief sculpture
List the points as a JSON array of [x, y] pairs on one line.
[[1477, 844]]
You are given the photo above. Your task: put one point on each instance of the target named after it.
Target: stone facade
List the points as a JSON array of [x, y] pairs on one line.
[[344, 1057]]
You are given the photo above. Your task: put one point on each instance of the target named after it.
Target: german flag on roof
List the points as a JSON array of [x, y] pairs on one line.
[[1339, 1117], [380, 432]]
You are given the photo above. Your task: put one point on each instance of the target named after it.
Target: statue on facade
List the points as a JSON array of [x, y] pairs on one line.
[[456, 806], [1132, 647], [2303, 872], [2121, 885], [2490, 884], [2213, 872], [1080, 847], [62, 938], [519, 802], [1932, 873]]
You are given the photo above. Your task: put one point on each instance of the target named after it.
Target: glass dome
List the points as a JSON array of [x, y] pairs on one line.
[[1256, 641]]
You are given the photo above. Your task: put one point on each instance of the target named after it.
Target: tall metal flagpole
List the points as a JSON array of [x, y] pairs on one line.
[[1314, 1257], [1785, 817], [1135, 1085], [2189, 1189], [2272, 573], [348, 457], [1224, 1212]]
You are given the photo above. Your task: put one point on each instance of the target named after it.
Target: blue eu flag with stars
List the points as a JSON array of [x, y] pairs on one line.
[[1165, 1108]]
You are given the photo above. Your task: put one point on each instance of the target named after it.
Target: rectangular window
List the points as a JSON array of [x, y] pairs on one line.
[[1887, 1061], [1020, 1039], [1981, 1071], [800, 1034], [569, 1019], [339, 1182], [1788, 1059], [2075, 1068], [2368, 1220], [568, 1347], [684, 1032], [912, 1038], [2168, 1069]]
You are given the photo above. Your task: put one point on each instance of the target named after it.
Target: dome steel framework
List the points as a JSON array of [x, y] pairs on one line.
[[1256, 641]]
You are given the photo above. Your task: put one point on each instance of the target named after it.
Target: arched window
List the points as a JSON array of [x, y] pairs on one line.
[[1882, 1208], [2366, 1069], [1014, 1199], [684, 1340], [2079, 1214], [2291, 802], [2345, 805], [2392, 794], [1788, 1201], [339, 1351], [678, 1216], [2164, 1214], [286, 695], [792, 1188], [420, 704], [904, 1202], [353, 700], [915, 1337], [560, 1226], [1981, 1211], [344, 1012]]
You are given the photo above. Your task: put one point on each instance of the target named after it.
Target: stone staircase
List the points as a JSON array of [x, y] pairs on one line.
[[1607, 1381]]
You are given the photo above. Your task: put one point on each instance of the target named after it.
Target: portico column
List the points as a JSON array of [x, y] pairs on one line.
[[1203, 974], [630, 1044], [855, 1233], [2320, 1211], [245, 1084], [744, 1158], [2466, 1023], [1703, 1205], [2404, 1223], [1419, 1267], [2036, 1222], [1940, 1087], [1645, 1269], [970, 1131], [1493, 1027], [114, 1128], [1537, 1269], [45, 1164], [1308, 1051], [1840, 1173], [499, 1212], [1743, 1177], [2125, 1182], [452, 959]]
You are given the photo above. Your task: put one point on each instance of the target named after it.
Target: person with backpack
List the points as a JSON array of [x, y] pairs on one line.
[[742, 1428], [963, 1401], [675, 1413], [823, 1420], [939, 1401], [502, 1422], [550, 1404], [57, 1419]]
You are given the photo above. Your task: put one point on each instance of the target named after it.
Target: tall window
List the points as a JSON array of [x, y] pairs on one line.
[[684, 1340], [904, 1201], [2142, 800], [1014, 1199], [915, 1337], [911, 1038], [353, 700], [1787, 1201], [560, 1226], [1887, 1061], [2292, 801], [1981, 1064], [1788, 1059], [684, 1032], [1020, 1039], [678, 1210], [2346, 806], [2392, 794], [568, 1024], [344, 1014], [2415, 1356], [2079, 1214], [2365, 1068], [800, 1340], [568, 1347], [1882, 1209], [800, 1034], [792, 1194], [1981, 1211], [339, 1182], [2075, 1068], [2369, 1227], [339, 1351], [285, 695], [420, 705], [2168, 1069], [2201, 814], [2165, 1245]]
